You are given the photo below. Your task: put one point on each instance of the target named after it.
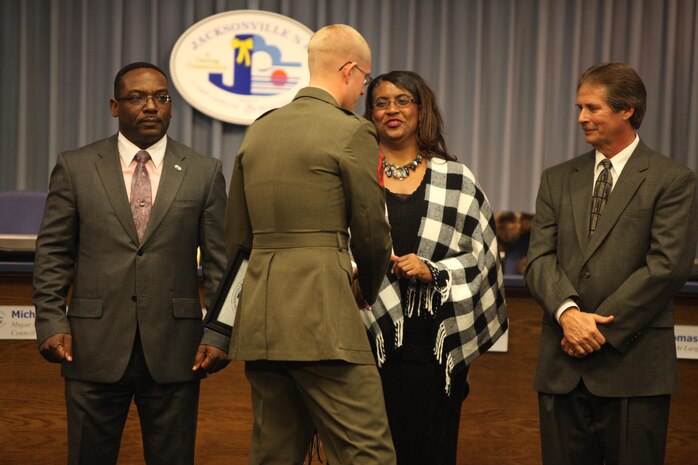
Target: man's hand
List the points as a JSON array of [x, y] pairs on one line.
[[582, 336], [356, 290], [57, 348], [210, 359]]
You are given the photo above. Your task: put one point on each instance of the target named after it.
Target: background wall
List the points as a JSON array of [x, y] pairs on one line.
[[504, 70]]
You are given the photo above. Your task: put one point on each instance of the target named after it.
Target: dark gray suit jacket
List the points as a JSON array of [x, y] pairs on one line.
[[88, 240], [636, 261]]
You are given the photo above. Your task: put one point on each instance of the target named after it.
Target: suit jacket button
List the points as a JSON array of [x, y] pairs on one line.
[[134, 298], [140, 252], [587, 275]]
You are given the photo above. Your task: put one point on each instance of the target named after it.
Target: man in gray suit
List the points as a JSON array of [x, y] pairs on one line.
[[305, 173], [123, 219], [605, 270]]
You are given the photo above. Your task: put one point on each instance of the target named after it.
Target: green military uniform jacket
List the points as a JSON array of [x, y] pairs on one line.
[[307, 173]]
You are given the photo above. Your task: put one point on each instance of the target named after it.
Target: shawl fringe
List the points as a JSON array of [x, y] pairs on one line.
[[426, 297], [380, 349]]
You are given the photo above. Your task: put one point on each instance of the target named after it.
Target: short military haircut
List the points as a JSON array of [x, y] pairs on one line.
[[333, 45]]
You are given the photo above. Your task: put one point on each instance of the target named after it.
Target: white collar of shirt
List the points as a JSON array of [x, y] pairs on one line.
[[128, 150], [618, 160]]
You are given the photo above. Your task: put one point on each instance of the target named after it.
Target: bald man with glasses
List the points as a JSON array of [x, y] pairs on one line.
[[304, 175]]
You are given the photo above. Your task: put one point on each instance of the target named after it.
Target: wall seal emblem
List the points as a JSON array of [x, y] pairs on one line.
[[236, 65]]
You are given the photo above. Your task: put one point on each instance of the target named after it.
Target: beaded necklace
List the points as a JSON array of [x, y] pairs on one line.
[[401, 172]]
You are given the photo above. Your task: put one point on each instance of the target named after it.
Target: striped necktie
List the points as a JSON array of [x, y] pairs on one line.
[[602, 188]]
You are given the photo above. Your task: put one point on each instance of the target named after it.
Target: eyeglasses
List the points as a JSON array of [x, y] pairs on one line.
[[367, 76], [400, 102], [142, 100]]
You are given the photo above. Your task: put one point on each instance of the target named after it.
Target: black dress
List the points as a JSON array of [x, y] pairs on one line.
[[423, 419]]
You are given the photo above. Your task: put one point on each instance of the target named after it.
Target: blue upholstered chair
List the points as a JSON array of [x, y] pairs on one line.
[[21, 211], [513, 235]]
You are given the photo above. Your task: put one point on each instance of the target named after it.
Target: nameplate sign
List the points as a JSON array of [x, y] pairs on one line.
[[17, 322], [686, 341]]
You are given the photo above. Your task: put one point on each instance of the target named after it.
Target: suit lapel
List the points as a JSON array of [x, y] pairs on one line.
[[628, 183], [173, 169], [112, 177], [580, 192]]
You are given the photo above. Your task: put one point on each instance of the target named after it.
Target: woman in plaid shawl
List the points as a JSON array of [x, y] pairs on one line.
[[441, 303]]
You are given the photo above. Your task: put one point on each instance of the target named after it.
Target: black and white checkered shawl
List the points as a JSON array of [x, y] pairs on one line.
[[457, 236]]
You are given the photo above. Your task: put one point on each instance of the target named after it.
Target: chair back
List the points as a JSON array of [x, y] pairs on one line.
[[21, 211]]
